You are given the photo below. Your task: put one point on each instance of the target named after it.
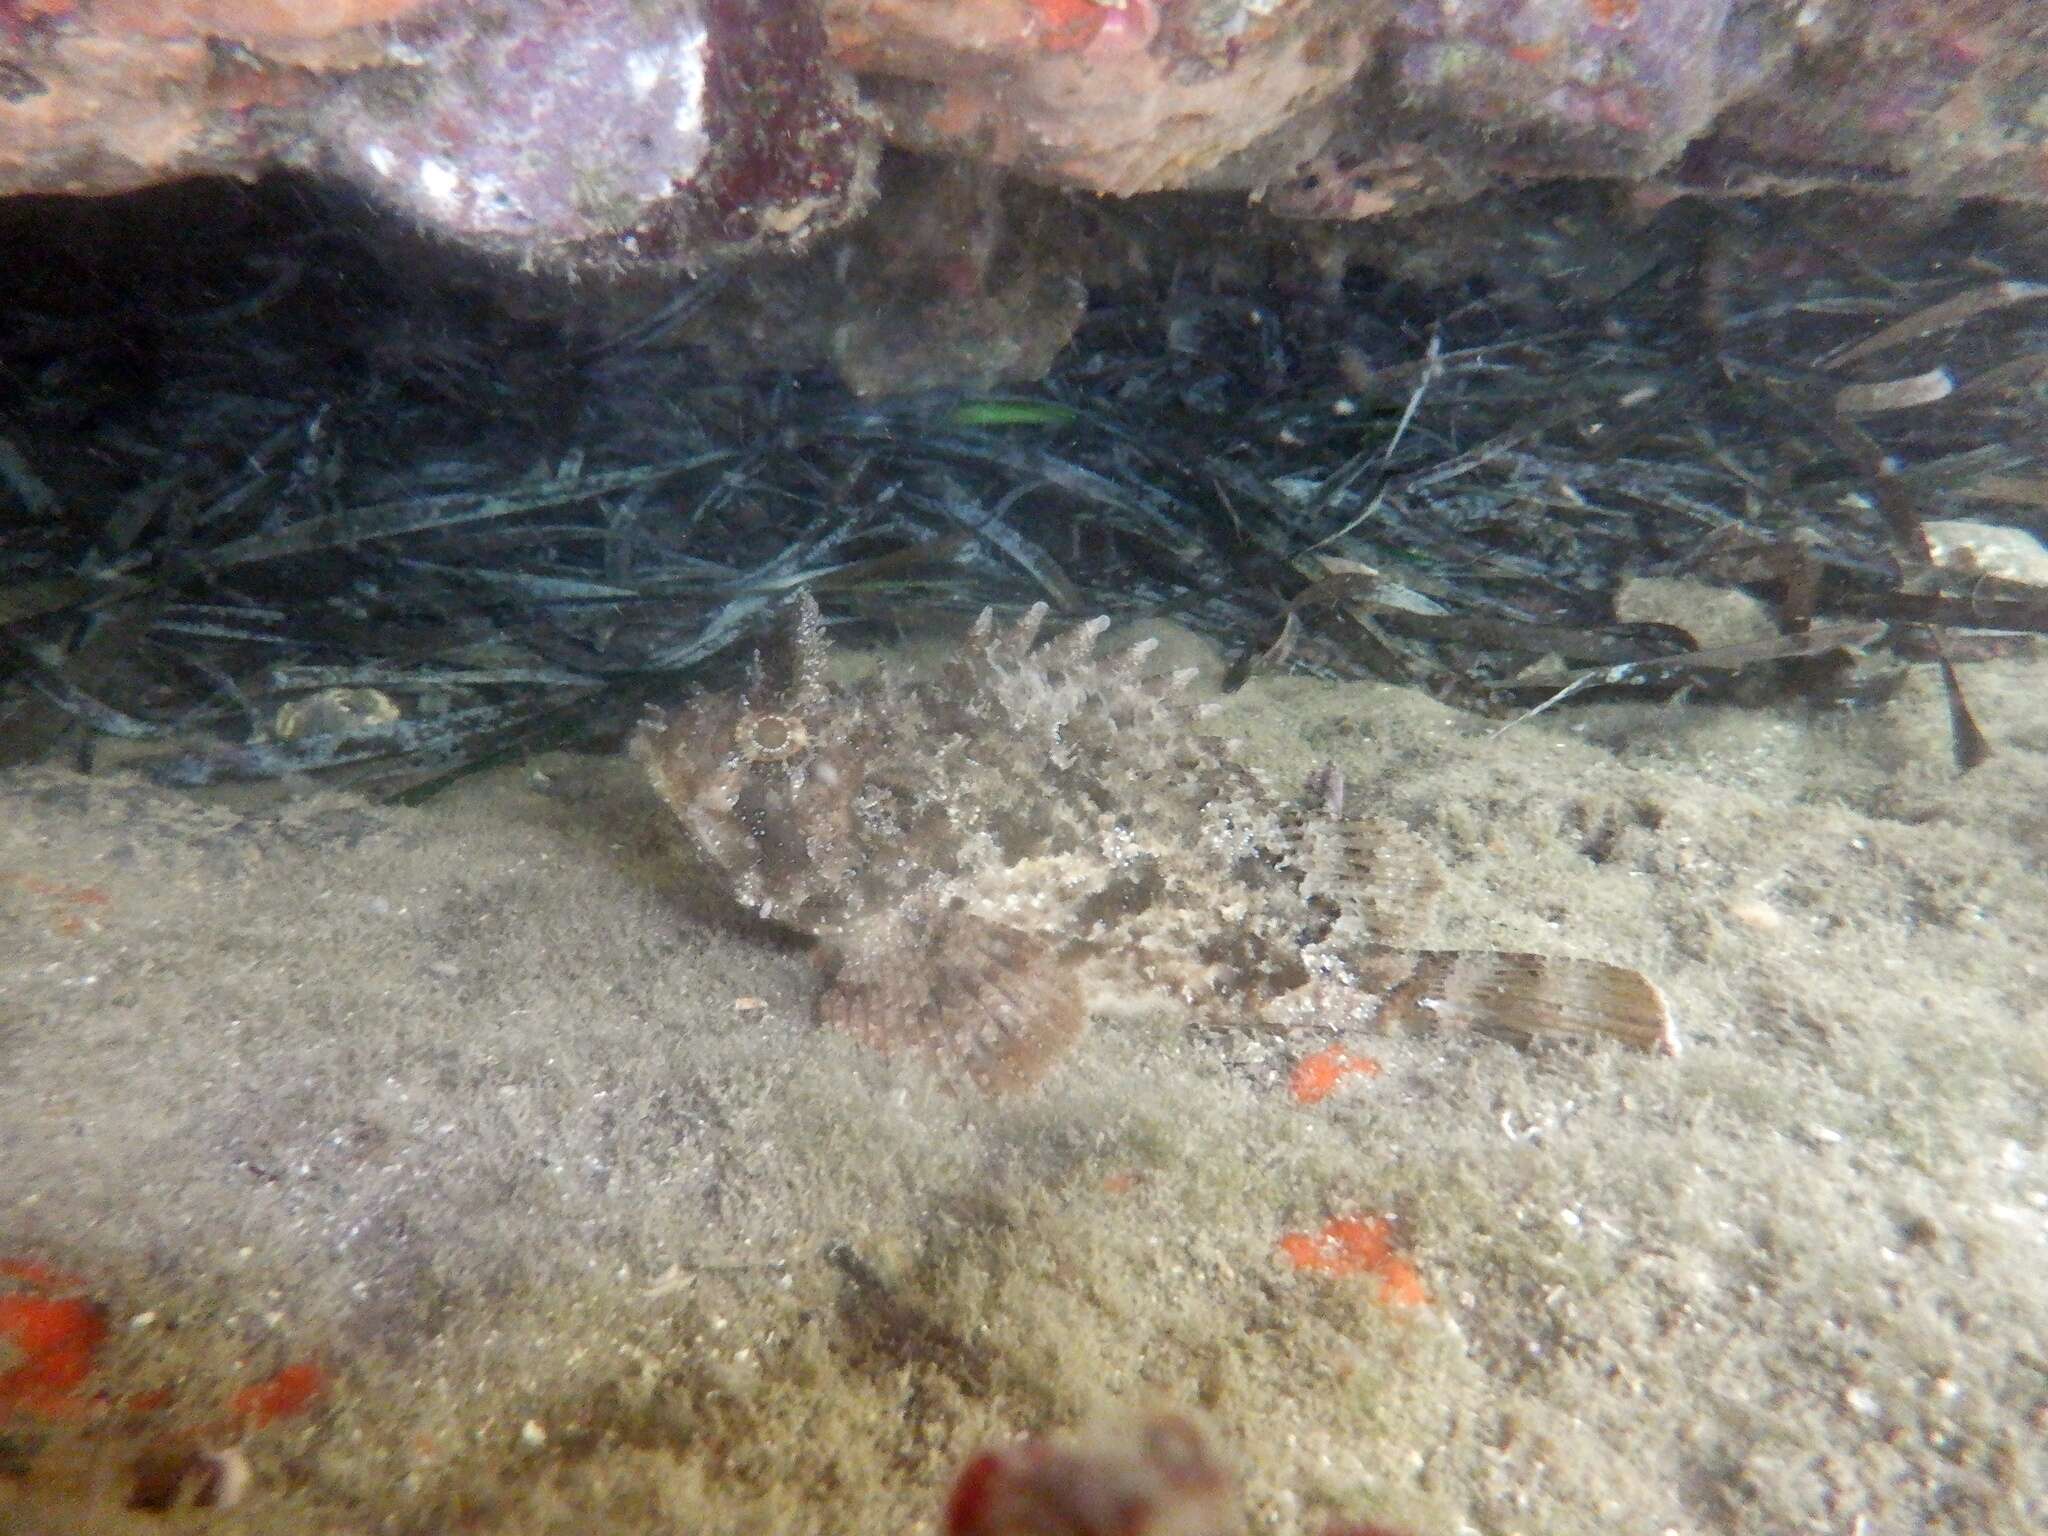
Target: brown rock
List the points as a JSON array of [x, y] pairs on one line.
[[1123, 98], [247, 21]]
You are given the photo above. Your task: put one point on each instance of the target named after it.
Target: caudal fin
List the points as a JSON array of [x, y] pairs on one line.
[[1533, 996]]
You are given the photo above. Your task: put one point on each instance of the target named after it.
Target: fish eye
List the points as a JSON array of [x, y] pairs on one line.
[[770, 738]]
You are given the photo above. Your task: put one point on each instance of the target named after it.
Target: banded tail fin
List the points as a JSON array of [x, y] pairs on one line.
[[1531, 996]]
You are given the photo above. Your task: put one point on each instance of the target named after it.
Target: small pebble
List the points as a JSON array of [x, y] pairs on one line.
[[1754, 913]]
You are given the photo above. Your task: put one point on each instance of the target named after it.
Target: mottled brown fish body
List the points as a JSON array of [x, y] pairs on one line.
[[985, 856]]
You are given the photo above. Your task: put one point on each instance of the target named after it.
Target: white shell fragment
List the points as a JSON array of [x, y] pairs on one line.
[[1988, 549]]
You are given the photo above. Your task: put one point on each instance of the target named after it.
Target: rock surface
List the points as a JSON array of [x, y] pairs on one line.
[[629, 132], [601, 133]]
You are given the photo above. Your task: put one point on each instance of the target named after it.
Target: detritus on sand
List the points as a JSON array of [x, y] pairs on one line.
[[458, 1100]]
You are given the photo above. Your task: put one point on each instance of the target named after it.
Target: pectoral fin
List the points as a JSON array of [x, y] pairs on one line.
[[973, 997]]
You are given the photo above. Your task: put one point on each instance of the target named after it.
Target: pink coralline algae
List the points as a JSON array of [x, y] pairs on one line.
[[608, 132], [1604, 85], [1929, 100], [1688, 95]]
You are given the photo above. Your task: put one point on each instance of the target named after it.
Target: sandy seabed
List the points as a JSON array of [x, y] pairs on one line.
[[483, 1116]]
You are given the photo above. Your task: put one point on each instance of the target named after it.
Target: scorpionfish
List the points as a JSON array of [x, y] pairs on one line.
[[986, 855]]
